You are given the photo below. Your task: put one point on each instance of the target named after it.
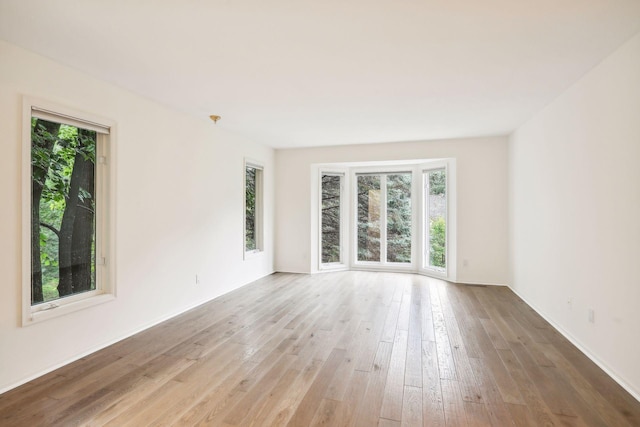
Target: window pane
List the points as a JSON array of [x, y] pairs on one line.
[[368, 217], [331, 192], [63, 209], [250, 206], [437, 214], [399, 217]]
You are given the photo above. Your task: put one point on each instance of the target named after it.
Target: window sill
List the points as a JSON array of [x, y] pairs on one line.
[[332, 267], [253, 254], [60, 308]]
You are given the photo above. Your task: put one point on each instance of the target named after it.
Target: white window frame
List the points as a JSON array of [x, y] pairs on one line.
[[344, 223], [105, 211], [259, 212], [416, 167], [383, 264], [449, 272]]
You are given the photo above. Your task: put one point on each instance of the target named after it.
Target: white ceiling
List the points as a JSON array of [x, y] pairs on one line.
[[292, 73]]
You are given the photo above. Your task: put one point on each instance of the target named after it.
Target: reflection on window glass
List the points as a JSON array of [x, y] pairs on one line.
[[368, 217], [436, 193], [399, 217], [330, 219]]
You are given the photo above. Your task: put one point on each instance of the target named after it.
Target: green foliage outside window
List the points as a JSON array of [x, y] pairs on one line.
[[62, 210], [250, 209], [437, 234], [436, 206], [331, 193], [399, 218]]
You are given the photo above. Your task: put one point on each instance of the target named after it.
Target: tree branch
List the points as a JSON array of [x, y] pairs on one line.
[[85, 208], [50, 227]]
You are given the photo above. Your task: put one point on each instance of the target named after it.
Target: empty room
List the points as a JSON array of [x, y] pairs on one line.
[[342, 213]]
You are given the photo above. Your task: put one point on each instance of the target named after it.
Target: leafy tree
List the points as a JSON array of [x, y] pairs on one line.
[[398, 209], [331, 218], [63, 210], [43, 136], [368, 218], [399, 218], [250, 206], [437, 254], [437, 182]]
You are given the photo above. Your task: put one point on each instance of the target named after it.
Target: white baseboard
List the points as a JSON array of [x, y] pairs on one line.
[[607, 369], [466, 282], [292, 272]]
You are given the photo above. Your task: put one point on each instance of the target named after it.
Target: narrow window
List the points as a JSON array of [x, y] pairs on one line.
[[435, 186], [67, 201], [399, 218], [331, 217], [253, 208], [368, 211]]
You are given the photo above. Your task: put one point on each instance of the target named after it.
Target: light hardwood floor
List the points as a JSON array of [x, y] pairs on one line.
[[351, 348]]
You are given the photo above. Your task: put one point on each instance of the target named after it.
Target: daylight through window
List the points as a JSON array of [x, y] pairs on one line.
[[253, 208], [384, 217], [435, 186], [67, 199], [331, 218]]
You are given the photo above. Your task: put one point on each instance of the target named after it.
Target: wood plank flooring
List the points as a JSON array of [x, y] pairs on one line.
[[338, 349]]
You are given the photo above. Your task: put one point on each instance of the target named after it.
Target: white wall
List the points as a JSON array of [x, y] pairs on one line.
[[481, 165], [179, 212], [575, 212]]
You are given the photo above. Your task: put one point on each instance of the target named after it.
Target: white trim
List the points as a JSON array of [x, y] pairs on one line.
[[53, 116], [450, 272], [381, 171], [602, 365], [415, 167], [466, 282], [340, 267], [105, 181]]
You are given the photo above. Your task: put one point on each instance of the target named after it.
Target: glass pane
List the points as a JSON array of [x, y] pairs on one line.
[[437, 213], [368, 217], [331, 189], [63, 227], [250, 209], [399, 217]]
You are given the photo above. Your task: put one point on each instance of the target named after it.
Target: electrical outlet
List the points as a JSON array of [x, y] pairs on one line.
[[465, 263], [197, 279], [570, 303], [591, 315]]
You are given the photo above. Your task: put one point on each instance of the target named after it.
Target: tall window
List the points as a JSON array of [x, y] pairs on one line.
[[369, 218], [253, 208], [384, 218], [331, 217], [399, 218], [67, 199], [435, 190]]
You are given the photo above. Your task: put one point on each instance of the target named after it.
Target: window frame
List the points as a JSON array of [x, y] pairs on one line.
[[104, 217], [383, 264], [417, 167], [450, 269], [344, 231], [259, 208], [425, 253]]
